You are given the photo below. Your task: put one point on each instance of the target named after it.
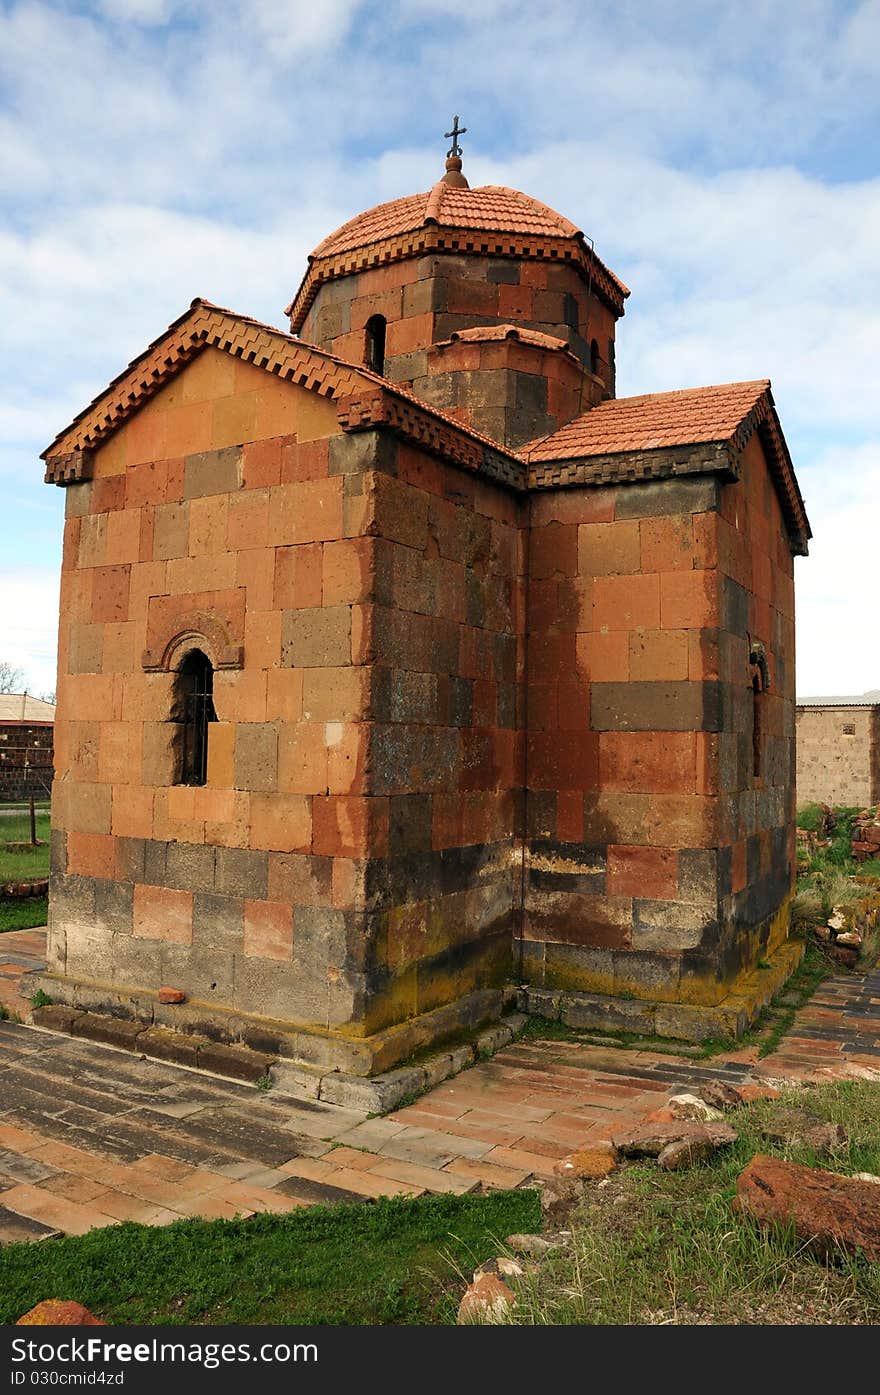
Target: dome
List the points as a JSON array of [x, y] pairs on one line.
[[490, 208], [451, 217]]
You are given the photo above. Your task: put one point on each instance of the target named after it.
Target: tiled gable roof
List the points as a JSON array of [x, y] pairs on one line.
[[625, 438], [483, 334], [652, 422], [206, 325]]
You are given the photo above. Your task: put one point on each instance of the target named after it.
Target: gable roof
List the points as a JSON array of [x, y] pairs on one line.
[[653, 421], [616, 440], [358, 390], [21, 707]]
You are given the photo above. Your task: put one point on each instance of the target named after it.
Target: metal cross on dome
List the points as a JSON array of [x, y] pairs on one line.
[[453, 135]]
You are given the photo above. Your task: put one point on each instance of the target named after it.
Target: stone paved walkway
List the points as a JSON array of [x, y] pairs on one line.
[[90, 1135], [20, 950]]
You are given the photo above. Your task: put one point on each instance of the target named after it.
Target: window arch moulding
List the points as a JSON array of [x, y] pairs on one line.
[[172, 633]]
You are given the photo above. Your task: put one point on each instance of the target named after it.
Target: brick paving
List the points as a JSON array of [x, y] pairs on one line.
[[90, 1136]]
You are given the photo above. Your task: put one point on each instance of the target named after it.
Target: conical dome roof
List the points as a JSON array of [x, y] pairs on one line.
[[490, 208], [490, 220]]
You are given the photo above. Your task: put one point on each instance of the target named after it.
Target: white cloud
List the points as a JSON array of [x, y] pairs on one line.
[[152, 160], [29, 624]]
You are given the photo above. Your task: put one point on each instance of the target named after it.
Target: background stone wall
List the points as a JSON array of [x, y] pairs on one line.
[[835, 766]]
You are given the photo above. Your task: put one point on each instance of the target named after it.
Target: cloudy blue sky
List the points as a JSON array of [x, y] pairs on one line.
[[723, 154]]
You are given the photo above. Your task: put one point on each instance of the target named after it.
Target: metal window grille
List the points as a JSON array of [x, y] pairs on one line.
[[197, 686]]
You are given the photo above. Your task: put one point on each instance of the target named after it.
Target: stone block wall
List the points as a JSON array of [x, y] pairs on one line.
[[510, 389], [218, 510], [646, 823], [838, 756], [349, 862], [426, 299], [442, 879]]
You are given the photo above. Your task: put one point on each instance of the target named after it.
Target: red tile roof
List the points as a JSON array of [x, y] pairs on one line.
[[490, 220], [482, 334], [490, 208], [206, 324], [652, 422]]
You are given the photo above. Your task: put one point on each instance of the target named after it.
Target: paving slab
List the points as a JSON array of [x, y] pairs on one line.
[[90, 1135]]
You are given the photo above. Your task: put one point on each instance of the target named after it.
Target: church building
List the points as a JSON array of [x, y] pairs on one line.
[[406, 672]]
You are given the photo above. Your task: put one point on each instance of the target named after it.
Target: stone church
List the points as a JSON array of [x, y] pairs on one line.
[[406, 672]]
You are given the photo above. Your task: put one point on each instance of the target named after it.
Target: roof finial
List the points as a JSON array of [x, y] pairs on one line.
[[453, 175], [453, 135]]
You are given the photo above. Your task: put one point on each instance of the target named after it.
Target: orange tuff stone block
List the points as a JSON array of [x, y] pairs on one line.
[[553, 551], [146, 484], [261, 463], [233, 420], [240, 695], [307, 512], [119, 754], [281, 822], [92, 855], [304, 460], [132, 811], [668, 543], [604, 657], [609, 549], [350, 826], [347, 755], [107, 494], [110, 594], [655, 655], [573, 506], [255, 570], [262, 638], [123, 537], [348, 569], [248, 519], [302, 758], [162, 914], [626, 602], [688, 600], [647, 762], [171, 996], [647, 872], [284, 694], [221, 755], [188, 430], [404, 336], [216, 807], [298, 579], [268, 929]]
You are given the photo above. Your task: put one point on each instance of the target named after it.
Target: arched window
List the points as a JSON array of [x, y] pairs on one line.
[[760, 682], [374, 348], [194, 709], [757, 726], [595, 359]]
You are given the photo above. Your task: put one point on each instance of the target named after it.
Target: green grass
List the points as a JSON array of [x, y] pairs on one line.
[[391, 1262], [27, 863], [23, 915], [660, 1248]]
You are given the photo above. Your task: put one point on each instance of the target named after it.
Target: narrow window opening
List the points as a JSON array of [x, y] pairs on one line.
[[757, 725], [194, 710], [595, 360], [374, 349]]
